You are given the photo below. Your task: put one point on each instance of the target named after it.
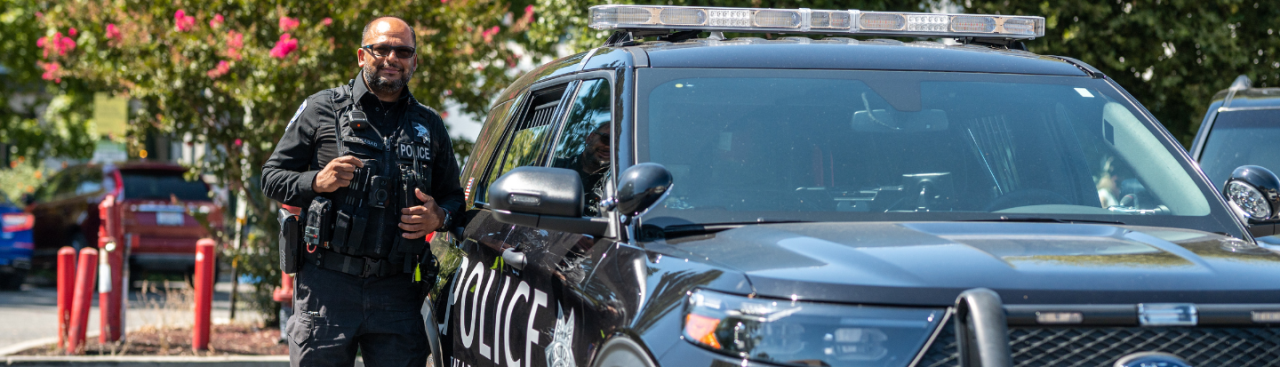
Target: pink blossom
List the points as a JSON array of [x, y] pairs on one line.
[[283, 48], [489, 33], [40, 15], [326, 21], [235, 42], [51, 72], [444, 1], [238, 142], [64, 44], [444, 114], [40, 42], [235, 39], [288, 24], [222, 69], [528, 11], [113, 33], [72, 32], [182, 21], [216, 21]]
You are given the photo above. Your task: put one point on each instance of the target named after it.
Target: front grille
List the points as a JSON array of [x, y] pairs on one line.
[[1102, 346]]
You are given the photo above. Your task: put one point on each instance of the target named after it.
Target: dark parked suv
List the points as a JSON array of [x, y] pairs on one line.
[[705, 201], [156, 206], [1242, 127]]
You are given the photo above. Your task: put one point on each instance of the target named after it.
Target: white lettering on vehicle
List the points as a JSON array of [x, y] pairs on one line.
[[532, 336], [453, 296], [522, 291], [474, 323], [497, 321], [469, 328], [484, 304]]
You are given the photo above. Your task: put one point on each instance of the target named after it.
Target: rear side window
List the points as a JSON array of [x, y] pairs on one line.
[[526, 141], [162, 186]]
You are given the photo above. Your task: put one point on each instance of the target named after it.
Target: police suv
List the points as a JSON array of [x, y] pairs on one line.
[[678, 200]]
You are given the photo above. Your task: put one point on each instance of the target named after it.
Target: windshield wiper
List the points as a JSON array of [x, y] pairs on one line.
[[682, 230], [1043, 220]]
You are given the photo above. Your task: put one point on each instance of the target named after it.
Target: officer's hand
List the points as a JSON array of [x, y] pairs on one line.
[[337, 174], [420, 220]]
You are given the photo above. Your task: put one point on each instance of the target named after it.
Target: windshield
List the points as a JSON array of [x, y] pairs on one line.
[[1239, 138], [780, 145], [161, 185]]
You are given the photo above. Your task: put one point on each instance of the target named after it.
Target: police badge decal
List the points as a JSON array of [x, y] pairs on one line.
[[423, 134], [560, 351]]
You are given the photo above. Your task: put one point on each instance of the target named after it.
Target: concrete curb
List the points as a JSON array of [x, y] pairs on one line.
[[30, 344], [79, 361]]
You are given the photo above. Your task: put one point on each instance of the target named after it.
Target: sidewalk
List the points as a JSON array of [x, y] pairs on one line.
[[31, 315], [229, 361]]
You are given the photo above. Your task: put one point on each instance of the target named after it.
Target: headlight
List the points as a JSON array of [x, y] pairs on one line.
[[807, 333]]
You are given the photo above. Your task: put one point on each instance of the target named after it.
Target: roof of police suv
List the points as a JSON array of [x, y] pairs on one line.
[[850, 54]]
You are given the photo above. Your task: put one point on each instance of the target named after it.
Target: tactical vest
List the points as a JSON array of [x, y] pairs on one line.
[[364, 216]]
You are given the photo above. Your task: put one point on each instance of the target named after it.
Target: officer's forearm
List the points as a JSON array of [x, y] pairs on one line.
[[288, 187]]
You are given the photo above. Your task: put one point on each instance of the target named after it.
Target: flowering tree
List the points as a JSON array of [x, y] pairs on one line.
[[65, 130], [231, 73]]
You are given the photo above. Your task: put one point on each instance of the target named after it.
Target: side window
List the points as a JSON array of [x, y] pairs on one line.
[[584, 145], [526, 140]]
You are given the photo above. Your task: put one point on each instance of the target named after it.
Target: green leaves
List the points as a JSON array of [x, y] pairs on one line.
[[1173, 55]]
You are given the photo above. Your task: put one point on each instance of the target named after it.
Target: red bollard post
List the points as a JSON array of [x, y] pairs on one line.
[[109, 286], [204, 293], [87, 268], [66, 288]]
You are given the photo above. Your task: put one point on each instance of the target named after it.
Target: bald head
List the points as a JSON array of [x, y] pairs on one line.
[[387, 26]]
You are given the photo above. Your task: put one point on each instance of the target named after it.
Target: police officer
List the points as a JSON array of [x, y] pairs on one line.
[[374, 172]]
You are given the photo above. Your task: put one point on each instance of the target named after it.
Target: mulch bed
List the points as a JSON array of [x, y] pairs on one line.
[[224, 340]]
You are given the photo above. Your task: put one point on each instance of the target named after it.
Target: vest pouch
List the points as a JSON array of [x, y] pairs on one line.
[[341, 228], [290, 242], [319, 222], [355, 239]]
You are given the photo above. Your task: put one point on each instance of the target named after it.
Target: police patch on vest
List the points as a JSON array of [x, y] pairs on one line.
[[358, 140], [296, 114], [409, 151], [423, 134]]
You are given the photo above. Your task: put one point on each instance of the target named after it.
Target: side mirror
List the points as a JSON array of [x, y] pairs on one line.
[[1253, 193], [641, 186], [543, 197]]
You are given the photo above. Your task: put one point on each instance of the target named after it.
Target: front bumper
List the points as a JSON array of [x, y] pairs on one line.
[[981, 331]]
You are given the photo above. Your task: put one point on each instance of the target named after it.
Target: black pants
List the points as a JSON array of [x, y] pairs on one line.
[[335, 312]]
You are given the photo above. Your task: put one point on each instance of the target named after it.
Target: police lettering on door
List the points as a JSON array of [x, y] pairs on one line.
[[502, 320]]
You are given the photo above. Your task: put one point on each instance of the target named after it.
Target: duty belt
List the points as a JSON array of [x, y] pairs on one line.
[[360, 266]]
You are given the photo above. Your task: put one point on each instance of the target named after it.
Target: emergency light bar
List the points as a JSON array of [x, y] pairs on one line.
[[760, 20]]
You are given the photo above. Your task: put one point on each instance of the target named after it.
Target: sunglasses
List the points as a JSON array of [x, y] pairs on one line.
[[381, 51]]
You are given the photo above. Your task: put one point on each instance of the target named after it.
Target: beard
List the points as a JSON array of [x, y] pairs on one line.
[[383, 85]]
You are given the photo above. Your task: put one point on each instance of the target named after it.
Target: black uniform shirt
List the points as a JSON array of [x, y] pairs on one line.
[[309, 144]]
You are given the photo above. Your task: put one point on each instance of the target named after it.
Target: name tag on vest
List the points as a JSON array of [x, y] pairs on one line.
[[408, 151], [362, 141]]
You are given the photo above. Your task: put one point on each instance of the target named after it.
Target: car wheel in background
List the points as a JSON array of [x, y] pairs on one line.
[[13, 282]]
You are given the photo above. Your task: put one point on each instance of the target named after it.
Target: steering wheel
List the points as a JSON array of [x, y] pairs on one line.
[[1026, 197]]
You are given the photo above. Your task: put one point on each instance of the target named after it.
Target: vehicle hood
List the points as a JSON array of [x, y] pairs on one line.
[[931, 263]]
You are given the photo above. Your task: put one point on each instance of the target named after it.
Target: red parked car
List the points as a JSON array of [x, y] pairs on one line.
[[155, 204]]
